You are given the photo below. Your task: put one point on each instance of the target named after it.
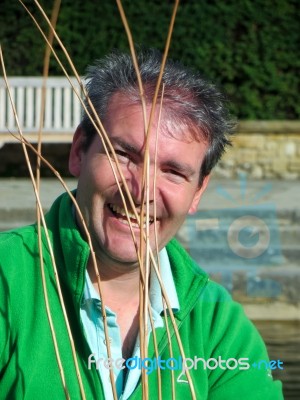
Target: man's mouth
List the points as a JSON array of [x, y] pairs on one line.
[[119, 212]]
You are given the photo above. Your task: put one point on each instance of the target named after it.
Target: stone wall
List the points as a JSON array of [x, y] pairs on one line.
[[263, 149]]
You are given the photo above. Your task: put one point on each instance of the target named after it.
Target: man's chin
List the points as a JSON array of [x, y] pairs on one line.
[[122, 253], [128, 261]]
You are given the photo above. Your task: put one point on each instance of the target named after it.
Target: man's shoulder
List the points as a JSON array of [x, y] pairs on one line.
[[16, 244], [26, 236], [18, 261], [193, 285], [18, 235], [179, 258], [196, 291]]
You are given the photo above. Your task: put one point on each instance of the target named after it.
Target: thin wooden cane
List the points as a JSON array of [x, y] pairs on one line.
[[54, 16], [176, 332], [56, 278], [100, 292], [153, 105], [146, 172], [151, 116], [153, 260], [46, 63], [56, 173], [137, 218], [100, 130], [157, 250], [155, 229], [134, 60], [143, 287], [144, 299], [48, 311], [97, 125], [156, 242], [159, 393]]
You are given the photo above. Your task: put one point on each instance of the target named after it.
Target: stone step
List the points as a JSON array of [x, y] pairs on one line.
[[263, 287], [284, 235], [215, 255], [210, 218]]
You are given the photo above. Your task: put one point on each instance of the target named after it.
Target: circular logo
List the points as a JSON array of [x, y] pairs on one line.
[[248, 228]]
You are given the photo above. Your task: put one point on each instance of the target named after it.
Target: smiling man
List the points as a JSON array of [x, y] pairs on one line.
[[220, 343], [178, 167]]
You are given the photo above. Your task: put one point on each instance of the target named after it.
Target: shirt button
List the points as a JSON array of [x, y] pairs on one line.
[[109, 339]]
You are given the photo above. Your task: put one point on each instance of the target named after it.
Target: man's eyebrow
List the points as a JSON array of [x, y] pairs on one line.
[[126, 146]]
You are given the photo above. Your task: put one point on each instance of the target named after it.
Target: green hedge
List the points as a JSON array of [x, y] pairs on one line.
[[251, 48]]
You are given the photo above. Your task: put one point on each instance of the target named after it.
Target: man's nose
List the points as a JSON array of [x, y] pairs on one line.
[[137, 185]]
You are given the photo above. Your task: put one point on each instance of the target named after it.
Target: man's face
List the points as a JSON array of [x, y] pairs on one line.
[[176, 192]]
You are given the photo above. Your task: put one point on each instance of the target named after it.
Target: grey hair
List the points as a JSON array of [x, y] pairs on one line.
[[189, 98]]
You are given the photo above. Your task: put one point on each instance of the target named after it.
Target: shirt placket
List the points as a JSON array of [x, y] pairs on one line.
[[115, 349]]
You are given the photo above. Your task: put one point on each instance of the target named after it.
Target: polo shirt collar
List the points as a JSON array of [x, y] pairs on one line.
[[155, 293]]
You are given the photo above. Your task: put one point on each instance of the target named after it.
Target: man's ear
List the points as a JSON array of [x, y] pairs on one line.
[[198, 195], [75, 157]]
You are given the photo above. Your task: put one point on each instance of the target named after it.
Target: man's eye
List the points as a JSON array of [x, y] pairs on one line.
[[175, 176], [122, 156]]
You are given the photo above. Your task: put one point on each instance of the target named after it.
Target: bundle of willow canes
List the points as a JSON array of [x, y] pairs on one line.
[[148, 259]]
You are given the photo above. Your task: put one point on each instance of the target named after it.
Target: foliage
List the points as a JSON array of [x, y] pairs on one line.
[[249, 47]]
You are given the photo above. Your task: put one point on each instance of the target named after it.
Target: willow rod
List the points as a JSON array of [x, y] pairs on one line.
[[46, 63], [145, 184], [125, 206], [47, 305], [143, 287], [50, 248], [94, 261], [155, 227], [99, 128], [133, 209], [156, 237], [54, 16]]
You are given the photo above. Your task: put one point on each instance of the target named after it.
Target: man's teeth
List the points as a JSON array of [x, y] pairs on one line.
[[121, 211]]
